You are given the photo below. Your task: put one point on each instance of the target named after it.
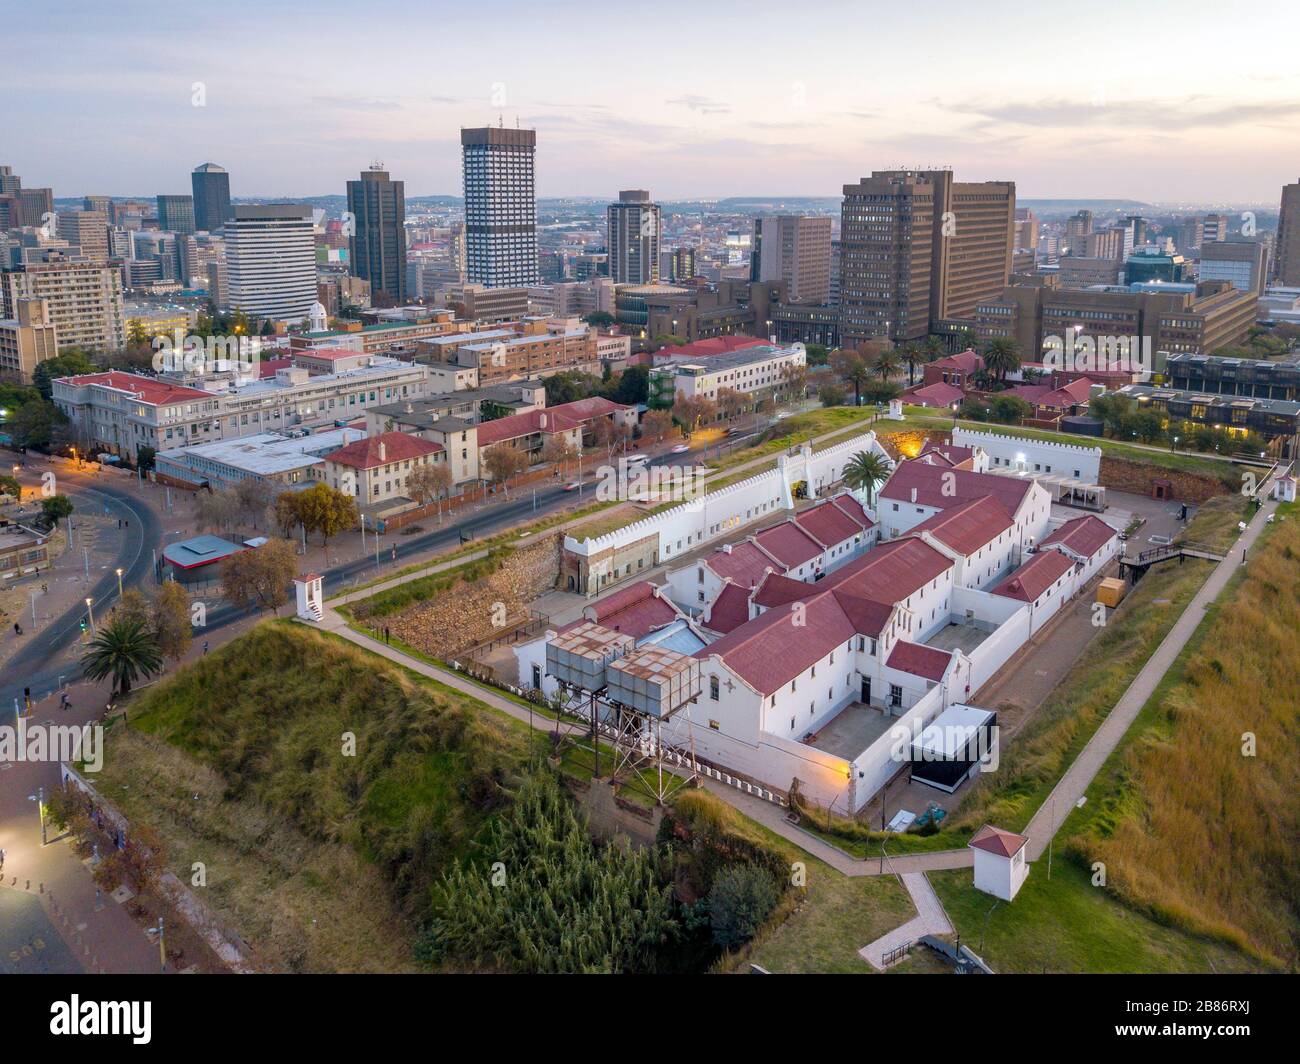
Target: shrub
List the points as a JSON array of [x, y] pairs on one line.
[[743, 896]]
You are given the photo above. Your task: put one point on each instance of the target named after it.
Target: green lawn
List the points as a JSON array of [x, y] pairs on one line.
[[1067, 925]]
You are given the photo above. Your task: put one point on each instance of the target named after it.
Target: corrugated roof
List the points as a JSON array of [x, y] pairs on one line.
[[968, 527], [962, 485], [729, 610], [1035, 576], [789, 544], [928, 662], [380, 450], [1083, 535], [995, 840], [744, 563]]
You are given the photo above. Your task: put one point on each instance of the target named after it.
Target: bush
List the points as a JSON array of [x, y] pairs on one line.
[[742, 898]]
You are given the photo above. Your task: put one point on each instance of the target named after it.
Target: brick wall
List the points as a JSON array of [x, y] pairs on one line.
[[1139, 477]]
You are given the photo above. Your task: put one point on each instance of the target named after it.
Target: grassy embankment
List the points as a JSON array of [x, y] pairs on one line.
[[322, 860]]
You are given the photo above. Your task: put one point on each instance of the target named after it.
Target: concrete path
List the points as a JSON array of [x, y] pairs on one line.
[[930, 920], [1078, 777]]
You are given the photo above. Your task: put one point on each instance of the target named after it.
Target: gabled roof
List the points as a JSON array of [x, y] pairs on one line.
[[744, 564], [777, 590], [527, 423], [996, 841], [1083, 535], [920, 660], [828, 524], [937, 394], [1035, 576], [380, 450], [636, 610], [968, 527], [952, 453], [729, 610], [148, 390], [789, 544], [845, 502], [964, 361], [962, 485]]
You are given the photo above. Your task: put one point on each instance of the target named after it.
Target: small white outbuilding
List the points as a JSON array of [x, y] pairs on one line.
[[1000, 864]]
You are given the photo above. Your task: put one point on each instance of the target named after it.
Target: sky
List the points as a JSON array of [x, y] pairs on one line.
[[1164, 102]]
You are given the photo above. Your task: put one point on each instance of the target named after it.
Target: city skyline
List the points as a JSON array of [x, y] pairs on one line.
[[686, 125]]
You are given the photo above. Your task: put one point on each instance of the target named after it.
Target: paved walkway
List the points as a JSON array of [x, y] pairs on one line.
[[1074, 783], [930, 920]]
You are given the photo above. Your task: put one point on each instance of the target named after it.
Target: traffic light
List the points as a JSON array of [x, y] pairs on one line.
[[83, 624]]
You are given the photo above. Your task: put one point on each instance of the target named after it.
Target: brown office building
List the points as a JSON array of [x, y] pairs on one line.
[[1214, 316], [796, 249], [917, 247], [1288, 237]]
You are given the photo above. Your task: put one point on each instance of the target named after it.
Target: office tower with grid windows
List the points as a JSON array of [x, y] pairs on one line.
[[634, 232], [1287, 254], [500, 206], [271, 261], [176, 214], [211, 186], [378, 250]]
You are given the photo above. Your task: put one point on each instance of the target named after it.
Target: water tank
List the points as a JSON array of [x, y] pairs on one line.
[[654, 680], [580, 656]]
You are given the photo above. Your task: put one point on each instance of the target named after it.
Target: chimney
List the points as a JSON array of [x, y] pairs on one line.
[[914, 495], [541, 421], [383, 455]]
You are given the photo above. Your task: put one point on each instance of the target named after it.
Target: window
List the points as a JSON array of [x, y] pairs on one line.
[[714, 687], [895, 695]]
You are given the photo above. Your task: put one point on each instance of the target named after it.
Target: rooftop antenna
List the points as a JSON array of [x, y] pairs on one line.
[[501, 121]]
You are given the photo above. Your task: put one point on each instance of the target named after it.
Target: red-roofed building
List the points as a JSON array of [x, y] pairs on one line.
[[123, 412], [955, 370], [927, 662], [1049, 402], [636, 610], [377, 469], [940, 396], [1001, 861], [1089, 540], [575, 422], [717, 345], [729, 610], [1044, 583], [918, 490], [979, 535]]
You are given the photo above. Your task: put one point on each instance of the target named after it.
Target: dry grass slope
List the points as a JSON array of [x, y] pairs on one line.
[[1198, 832]]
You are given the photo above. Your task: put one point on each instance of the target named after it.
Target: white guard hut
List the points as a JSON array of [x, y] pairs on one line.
[[1000, 864], [311, 603]]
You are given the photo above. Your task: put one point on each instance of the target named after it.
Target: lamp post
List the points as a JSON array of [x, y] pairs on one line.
[[90, 612], [119, 583]]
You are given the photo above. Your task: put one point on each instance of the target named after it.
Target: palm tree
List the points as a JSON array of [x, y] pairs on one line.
[[886, 365], [912, 356], [1001, 357], [934, 348], [865, 471], [125, 650]]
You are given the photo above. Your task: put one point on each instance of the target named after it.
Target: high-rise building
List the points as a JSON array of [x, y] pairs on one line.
[[1243, 262], [377, 253], [26, 339], [9, 181], [681, 265], [271, 260], [635, 225], [87, 230], [176, 214], [1213, 227], [796, 249], [211, 186], [84, 299], [1077, 228], [36, 205], [917, 247], [500, 206], [1025, 236], [100, 204], [1287, 254]]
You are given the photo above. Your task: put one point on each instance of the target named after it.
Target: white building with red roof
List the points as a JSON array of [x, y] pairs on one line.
[[575, 422], [1089, 540], [1001, 863], [377, 469]]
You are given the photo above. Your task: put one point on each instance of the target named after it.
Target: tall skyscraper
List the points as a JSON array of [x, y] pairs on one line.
[[36, 205], [9, 181], [917, 247], [1213, 227], [378, 246], [1242, 262], [500, 206], [176, 214], [635, 226], [210, 184], [796, 249], [271, 260], [1287, 255]]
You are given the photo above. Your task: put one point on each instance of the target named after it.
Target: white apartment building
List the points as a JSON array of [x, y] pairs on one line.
[[271, 261], [751, 370], [84, 300]]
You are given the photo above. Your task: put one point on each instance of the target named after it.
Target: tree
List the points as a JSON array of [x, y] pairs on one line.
[[881, 391], [865, 471], [1001, 357], [732, 402], [599, 319], [56, 508], [10, 486], [217, 509], [693, 411], [37, 423], [630, 387], [326, 510], [131, 604], [428, 481], [832, 395], [503, 461], [171, 620], [851, 368], [886, 364], [740, 900], [1111, 411], [1009, 409], [69, 362], [912, 355], [259, 577], [816, 354], [145, 457], [794, 380], [558, 450], [125, 650], [568, 387], [253, 498], [656, 425]]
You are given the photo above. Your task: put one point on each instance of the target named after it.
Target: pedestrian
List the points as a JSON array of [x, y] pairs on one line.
[[119, 522], [205, 646], [386, 639], [63, 701], [2, 858], [18, 628]]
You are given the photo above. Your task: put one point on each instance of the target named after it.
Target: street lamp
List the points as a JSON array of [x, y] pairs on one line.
[[119, 583], [39, 799], [91, 614]]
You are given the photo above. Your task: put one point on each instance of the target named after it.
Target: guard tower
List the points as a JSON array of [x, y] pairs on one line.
[[311, 603]]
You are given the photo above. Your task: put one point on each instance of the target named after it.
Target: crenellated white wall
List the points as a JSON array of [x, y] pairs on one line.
[[1034, 456]]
